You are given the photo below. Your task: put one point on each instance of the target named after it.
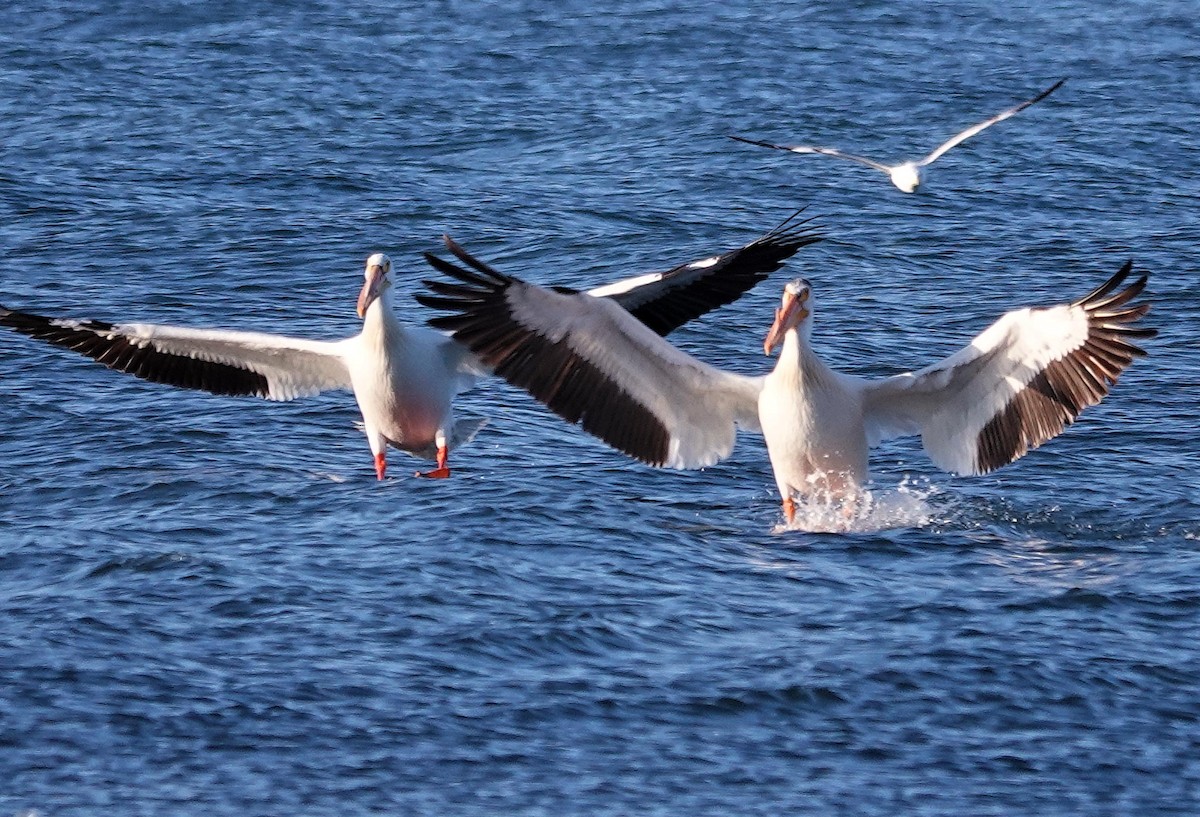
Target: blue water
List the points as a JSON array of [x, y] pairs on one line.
[[210, 606]]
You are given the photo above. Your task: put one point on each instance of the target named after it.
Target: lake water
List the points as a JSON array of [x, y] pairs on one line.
[[210, 606]]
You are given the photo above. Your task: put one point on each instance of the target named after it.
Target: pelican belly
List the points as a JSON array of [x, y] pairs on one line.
[[404, 391], [814, 435], [409, 407]]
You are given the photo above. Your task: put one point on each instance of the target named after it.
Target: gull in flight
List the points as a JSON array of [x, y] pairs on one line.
[[907, 175], [404, 378], [1015, 386]]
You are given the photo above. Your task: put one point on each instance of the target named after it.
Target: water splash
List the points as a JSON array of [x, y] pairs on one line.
[[868, 511]]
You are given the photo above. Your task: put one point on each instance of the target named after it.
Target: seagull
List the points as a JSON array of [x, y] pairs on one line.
[[907, 175], [404, 378], [1018, 384]]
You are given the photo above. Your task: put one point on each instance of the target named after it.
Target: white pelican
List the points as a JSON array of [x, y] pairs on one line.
[[907, 175], [1017, 385], [403, 377]]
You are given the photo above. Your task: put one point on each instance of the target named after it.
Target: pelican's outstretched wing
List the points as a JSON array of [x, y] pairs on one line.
[[593, 363], [665, 301], [222, 362], [1018, 384]]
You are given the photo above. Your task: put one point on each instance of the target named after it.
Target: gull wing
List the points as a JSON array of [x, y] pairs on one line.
[[274, 367], [862, 160], [593, 363], [987, 123], [1018, 384]]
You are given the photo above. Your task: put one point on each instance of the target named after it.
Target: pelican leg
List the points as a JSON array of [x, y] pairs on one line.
[[442, 471], [380, 465], [789, 510]]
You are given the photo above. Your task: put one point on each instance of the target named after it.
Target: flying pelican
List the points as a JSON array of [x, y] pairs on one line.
[[404, 378], [1017, 384], [907, 175]]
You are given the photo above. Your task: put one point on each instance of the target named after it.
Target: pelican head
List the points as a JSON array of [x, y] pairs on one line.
[[792, 313], [906, 176], [378, 275]]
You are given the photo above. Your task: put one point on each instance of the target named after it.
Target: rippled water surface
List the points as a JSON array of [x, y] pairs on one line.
[[209, 605]]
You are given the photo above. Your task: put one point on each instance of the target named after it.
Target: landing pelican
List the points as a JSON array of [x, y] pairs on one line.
[[1017, 384]]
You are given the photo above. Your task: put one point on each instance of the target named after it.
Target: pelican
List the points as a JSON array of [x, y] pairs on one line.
[[908, 175], [404, 378], [1017, 385]]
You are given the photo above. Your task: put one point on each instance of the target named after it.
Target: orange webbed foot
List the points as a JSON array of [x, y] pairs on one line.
[[443, 470], [789, 510]]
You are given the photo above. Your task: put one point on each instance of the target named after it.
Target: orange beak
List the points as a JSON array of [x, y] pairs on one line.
[[787, 317], [371, 289]]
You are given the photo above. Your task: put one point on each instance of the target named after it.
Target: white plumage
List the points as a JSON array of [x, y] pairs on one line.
[[1017, 385], [404, 378]]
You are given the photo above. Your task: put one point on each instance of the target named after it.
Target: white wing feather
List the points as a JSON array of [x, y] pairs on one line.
[[963, 136], [950, 402], [699, 405], [293, 367]]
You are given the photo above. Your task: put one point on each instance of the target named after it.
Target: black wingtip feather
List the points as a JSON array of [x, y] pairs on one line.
[[473, 262], [685, 293], [1108, 286], [453, 271], [1048, 91], [756, 142]]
